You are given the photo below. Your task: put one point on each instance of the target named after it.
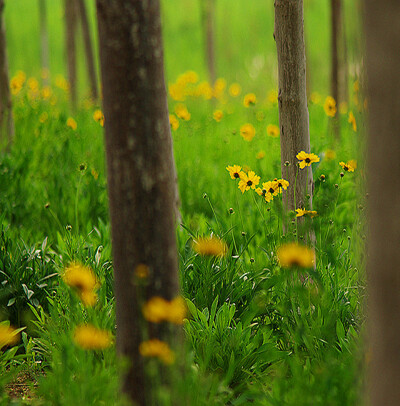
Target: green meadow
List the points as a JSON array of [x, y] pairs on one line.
[[256, 331]]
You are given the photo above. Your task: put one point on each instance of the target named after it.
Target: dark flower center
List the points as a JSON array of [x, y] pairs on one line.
[[271, 190], [308, 160], [249, 183], [236, 175], [346, 168], [264, 191]]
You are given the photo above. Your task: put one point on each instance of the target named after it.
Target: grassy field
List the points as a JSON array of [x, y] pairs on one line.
[[257, 333]]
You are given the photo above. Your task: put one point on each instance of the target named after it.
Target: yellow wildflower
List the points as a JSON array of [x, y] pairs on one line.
[[247, 131], [273, 130], [315, 98], [260, 154], [304, 212], [33, 84], [182, 112], [158, 349], [71, 123], [62, 83], [219, 87], [352, 121], [177, 92], [281, 184], [94, 173], [99, 117], [217, 115], [46, 93], [306, 159], [235, 171], [156, 309], [295, 255], [176, 310], [88, 298], [330, 154], [330, 106], [350, 166], [173, 122], [210, 246], [205, 90], [250, 99], [235, 89], [8, 335], [247, 181], [269, 190], [89, 337]]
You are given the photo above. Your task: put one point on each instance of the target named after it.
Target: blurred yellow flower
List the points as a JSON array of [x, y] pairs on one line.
[[306, 159], [247, 131], [210, 246], [62, 83], [330, 106], [217, 115], [330, 154], [250, 99], [281, 184], [158, 349], [8, 335], [235, 171], [46, 92], [350, 166], [71, 123], [176, 310], [182, 112], [304, 212], [177, 91], [248, 181], [273, 130], [235, 89], [156, 309], [260, 154], [315, 98], [89, 337], [173, 122], [219, 88], [205, 90], [141, 271], [99, 117], [294, 255], [352, 121]]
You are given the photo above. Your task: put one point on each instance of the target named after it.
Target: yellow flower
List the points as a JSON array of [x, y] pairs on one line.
[[260, 155], [315, 98], [247, 131], [205, 90], [88, 298], [46, 93], [250, 99], [269, 190], [156, 309], [62, 83], [89, 337], [99, 117], [306, 159], [33, 84], [350, 166], [330, 106], [219, 87], [15, 85], [330, 154], [177, 92], [251, 180], [8, 335], [272, 96], [176, 310], [210, 246], [273, 130], [235, 89], [158, 349], [281, 184], [71, 123], [235, 171], [295, 255], [173, 122], [352, 121], [217, 115], [182, 112], [304, 212], [141, 271], [94, 174]]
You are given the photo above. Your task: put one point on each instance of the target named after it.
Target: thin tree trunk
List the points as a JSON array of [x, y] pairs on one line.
[[140, 171], [70, 37], [87, 41], [335, 39], [344, 64], [44, 42], [382, 62], [292, 100], [6, 117], [209, 24]]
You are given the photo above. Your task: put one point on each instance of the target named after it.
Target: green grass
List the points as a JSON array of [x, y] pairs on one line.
[[256, 332]]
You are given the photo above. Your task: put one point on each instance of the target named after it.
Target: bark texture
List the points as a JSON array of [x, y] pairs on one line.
[[292, 100], [87, 42], [335, 60], [6, 117], [382, 62], [209, 29], [70, 43], [44, 41], [140, 170]]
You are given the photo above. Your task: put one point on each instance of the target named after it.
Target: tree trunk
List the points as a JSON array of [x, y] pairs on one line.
[[382, 62], [208, 24], [70, 37], [140, 170], [292, 100], [44, 42], [87, 41], [335, 40], [6, 117]]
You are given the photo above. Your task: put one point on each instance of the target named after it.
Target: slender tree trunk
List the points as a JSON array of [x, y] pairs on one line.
[[382, 62], [292, 100], [87, 41], [44, 41], [335, 40], [343, 64], [209, 24], [140, 170], [6, 117], [70, 37]]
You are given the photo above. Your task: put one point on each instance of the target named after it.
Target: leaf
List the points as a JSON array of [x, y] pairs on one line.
[[11, 302], [44, 244]]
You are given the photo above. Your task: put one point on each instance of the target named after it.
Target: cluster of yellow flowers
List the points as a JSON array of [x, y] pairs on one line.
[[304, 212], [349, 166], [210, 246], [83, 280], [158, 309]]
